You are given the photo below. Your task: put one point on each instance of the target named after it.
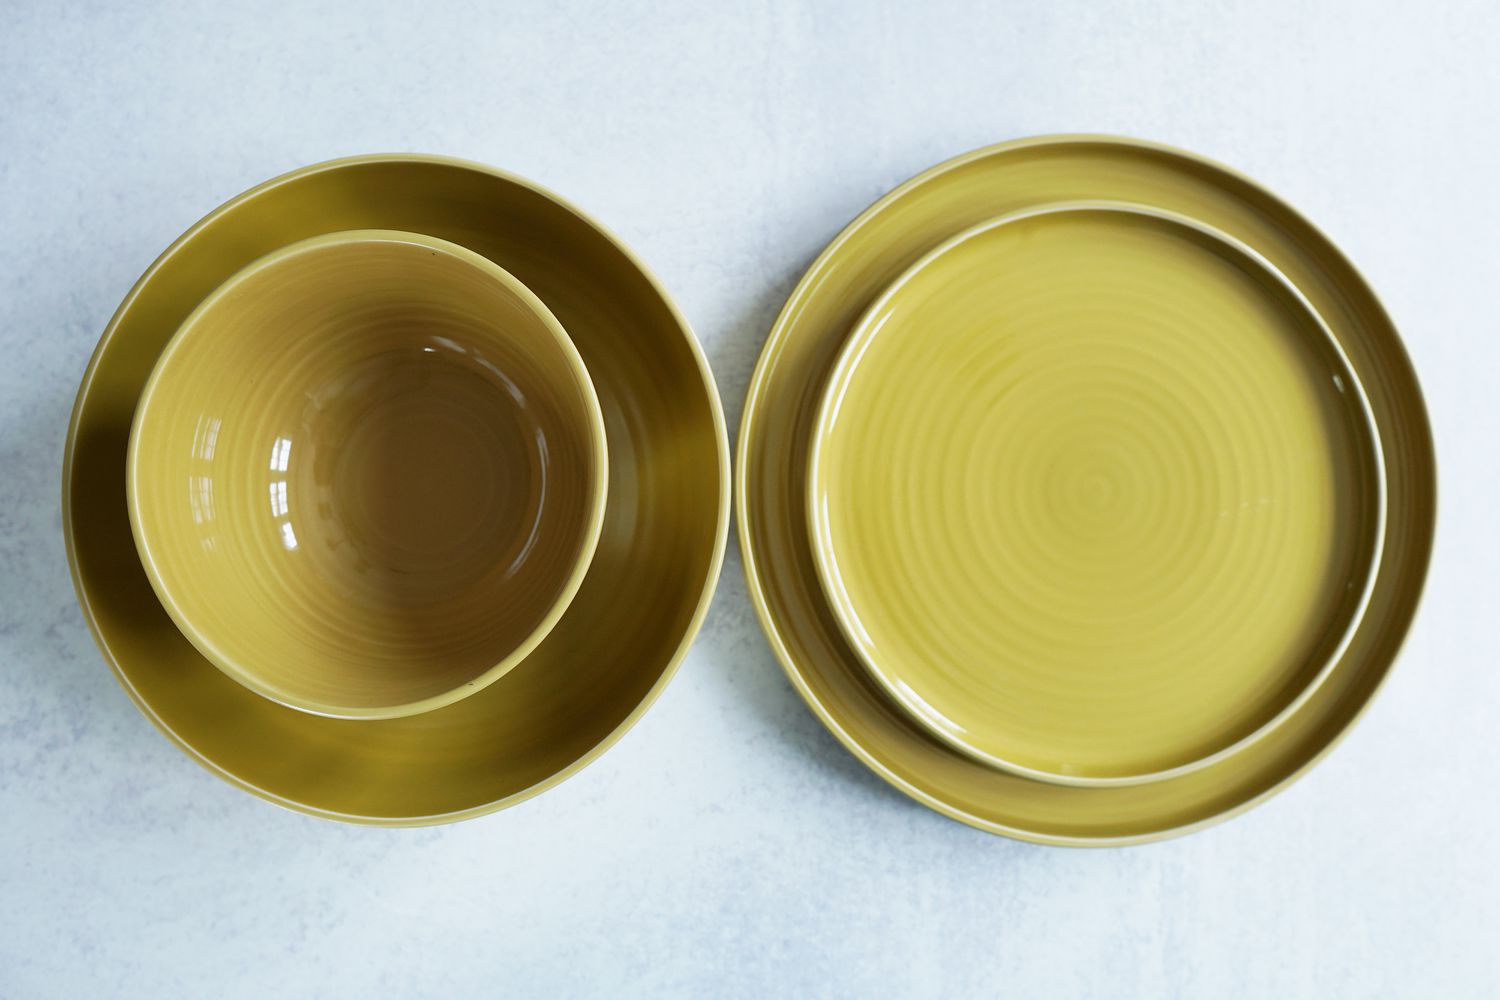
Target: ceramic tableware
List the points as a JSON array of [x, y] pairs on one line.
[[771, 487], [1094, 494], [367, 474], [642, 599]]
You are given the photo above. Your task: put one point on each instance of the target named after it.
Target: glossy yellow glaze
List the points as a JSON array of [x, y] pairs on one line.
[[772, 491], [1094, 494], [368, 474], [643, 597]]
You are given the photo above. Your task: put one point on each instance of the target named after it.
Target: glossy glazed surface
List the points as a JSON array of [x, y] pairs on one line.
[[639, 606], [771, 488], [1094, 494], [368, 474]]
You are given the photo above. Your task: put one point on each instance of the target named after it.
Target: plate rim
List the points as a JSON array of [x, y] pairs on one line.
[[706, 591], [748, 417]]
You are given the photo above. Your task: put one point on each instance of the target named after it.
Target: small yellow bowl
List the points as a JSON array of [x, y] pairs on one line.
[[368, 474]]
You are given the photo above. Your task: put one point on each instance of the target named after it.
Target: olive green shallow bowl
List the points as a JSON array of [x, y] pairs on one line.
[[644, 596], [783, 402]]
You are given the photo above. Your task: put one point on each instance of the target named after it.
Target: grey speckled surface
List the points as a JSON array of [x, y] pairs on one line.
[[728, 846]]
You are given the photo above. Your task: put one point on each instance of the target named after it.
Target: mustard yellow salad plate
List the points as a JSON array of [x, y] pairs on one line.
[[1094, 494], [367, 474], [640, 603], [1302, 315]]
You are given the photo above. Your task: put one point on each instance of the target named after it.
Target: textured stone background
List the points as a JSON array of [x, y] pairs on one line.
[[728, 846]]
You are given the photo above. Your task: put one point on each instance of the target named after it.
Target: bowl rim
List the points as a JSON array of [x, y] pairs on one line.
[[706, 588], [597, 476], [863, 333]]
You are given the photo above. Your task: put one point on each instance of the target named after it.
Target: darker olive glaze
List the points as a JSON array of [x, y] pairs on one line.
[[645, 594]]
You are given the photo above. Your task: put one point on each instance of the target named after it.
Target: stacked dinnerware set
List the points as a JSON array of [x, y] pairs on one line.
[[430, 483], [1085, 491]]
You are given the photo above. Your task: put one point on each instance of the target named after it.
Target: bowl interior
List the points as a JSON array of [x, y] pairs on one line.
[[367, 474]]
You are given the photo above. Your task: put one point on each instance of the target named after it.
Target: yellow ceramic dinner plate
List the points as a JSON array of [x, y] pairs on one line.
[[783, 402], [639, 606], [1094, 494]]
